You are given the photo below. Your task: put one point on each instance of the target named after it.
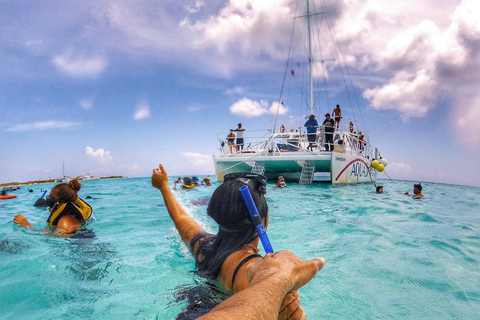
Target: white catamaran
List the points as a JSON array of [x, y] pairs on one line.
[[283, 150]]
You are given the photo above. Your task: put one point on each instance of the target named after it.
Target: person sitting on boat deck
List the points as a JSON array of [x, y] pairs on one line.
[[337, 114], [231, 140], [207, 182], [329, 130], [270, 279], [417, 191], [240, 131], [225, 256], [311, 126], [379, 189], [187, 183], [68, 213], [4, 192], [281, 182]]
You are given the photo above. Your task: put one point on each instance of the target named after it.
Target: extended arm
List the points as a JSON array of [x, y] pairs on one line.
[[271, 279], [186, 225]]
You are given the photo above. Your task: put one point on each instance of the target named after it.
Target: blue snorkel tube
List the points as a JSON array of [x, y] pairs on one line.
[[252, 209]]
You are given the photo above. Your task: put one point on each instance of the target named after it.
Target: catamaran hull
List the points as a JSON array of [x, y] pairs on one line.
[[342, 168], [351, 169]]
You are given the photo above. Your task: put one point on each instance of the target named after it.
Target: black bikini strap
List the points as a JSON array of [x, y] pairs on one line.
[[195, 239], [255, 255]]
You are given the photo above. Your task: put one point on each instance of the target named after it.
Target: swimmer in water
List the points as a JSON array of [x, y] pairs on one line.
[[281, 183], [207, 182], [68, 213], [226, 255], [187, 184], [417, 191], [379, 189]]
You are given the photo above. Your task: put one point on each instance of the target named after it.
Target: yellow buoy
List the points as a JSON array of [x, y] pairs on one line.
[[375, 164], [380, 167]]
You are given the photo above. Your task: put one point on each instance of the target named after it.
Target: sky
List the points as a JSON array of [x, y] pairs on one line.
[[117, 87]]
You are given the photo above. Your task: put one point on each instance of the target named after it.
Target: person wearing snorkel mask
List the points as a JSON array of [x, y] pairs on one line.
[[68, 213], [226, 255]]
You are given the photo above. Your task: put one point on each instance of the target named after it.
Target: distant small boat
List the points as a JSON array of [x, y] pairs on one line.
[[88, 176]]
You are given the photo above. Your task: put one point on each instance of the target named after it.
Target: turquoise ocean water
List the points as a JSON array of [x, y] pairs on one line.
[[388, 256]]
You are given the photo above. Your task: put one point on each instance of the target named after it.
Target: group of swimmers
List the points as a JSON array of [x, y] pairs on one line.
[[190, 183], [417, 191]]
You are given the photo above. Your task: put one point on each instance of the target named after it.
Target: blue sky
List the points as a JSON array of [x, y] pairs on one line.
[[115, 88]]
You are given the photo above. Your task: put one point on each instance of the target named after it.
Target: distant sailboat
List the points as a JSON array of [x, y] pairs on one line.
[[65, 178]]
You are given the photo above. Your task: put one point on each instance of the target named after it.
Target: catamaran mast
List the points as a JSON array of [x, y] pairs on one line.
[[310, 55]]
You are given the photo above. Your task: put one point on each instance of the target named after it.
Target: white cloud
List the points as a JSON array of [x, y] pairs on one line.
[[235, 91], [199, 4], [142, 110], [399, 168], [79, 66], [43, 125], [468, 123], [86, 103], [412, 97], [250, 108], [198, 161], [100, 156]]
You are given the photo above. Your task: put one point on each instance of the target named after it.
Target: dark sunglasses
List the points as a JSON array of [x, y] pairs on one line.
[[255, 181]]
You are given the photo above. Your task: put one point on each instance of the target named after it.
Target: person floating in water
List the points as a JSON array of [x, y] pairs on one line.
[[281, 183], [207, 182], [271, 278], [417, 191], [187, 183], [226, 255], [68, 213], [379, 189]]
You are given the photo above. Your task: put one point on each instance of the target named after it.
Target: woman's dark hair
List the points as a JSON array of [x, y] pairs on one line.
[[236, 228], [66, 192]]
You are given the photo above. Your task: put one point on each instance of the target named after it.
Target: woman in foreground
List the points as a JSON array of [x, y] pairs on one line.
[[226, 255], [68, 213]]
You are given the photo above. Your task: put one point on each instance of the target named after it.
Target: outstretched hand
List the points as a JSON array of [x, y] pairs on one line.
[[159, 177], [286, 265]]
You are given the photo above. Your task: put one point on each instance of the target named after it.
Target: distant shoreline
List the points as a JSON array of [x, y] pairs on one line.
[[2, 185]]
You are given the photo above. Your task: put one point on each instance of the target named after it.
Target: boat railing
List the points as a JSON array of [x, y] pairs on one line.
[[254, 141], [294, 139]]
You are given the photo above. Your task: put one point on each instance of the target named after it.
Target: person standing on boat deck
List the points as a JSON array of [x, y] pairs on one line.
[[311, 126], [240, 131], [337, 114], [231, 140], [329, 130]]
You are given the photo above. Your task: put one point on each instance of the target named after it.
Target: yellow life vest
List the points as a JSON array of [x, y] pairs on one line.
[[79, 209], [188, 186]]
